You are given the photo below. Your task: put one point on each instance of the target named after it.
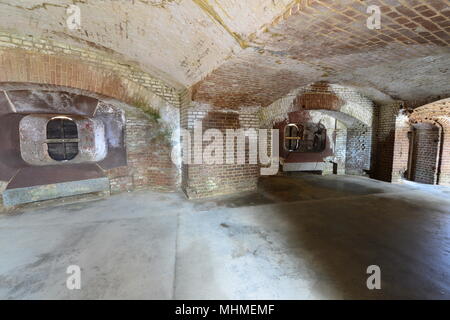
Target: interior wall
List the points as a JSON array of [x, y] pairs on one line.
[[138, 145], [75, 66], [384, 140], [353, 116], [436, 113], [444, 172], [425, 154], [149, 162], [358, 149], [203, 180]]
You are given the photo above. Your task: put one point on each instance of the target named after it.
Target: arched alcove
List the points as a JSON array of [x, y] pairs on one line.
[[348, 119], [424, 156], [422, 144], [119, 147]]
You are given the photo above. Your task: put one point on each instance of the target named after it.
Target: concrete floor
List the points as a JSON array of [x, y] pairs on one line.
[[299, 237]]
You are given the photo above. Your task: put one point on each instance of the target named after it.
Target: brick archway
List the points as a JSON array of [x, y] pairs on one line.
[[27, 70], [437, 114], [23, 66], [353, 135]]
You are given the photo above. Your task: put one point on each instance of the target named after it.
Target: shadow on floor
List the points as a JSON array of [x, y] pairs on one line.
[[305, 237], [339, 226]]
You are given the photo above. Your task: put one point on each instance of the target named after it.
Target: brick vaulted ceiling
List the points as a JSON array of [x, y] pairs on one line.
[[178, 40], [244, 53], [327, 40]]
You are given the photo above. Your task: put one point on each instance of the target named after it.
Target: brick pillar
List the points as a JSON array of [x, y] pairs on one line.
[[444, 178], [401, 148], [425, 153], [385, 137], [341, 147], [203, 180]]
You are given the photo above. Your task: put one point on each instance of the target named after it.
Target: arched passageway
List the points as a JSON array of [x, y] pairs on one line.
[[347, 119]]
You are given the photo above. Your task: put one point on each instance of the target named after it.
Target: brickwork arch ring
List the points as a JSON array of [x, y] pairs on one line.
[[22, 66]]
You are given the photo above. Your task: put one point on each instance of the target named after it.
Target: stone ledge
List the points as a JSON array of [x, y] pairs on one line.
[[14, 197]]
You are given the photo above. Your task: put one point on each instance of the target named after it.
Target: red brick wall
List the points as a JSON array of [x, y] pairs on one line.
[[424, 158], [384, 141], [444, 173], [352, 131], [23, 66], [318, 97], [401, 148], [438, 114], [202, 180], [149, 163], [148, 146], [148, 158]]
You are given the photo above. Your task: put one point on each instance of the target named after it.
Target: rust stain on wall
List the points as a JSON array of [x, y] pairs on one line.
[[319, 98]]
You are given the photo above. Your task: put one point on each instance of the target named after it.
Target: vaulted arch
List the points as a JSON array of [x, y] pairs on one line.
[[24, 66]]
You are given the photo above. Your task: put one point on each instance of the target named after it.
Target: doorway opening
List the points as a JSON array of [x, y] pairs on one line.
[[425, 153]]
